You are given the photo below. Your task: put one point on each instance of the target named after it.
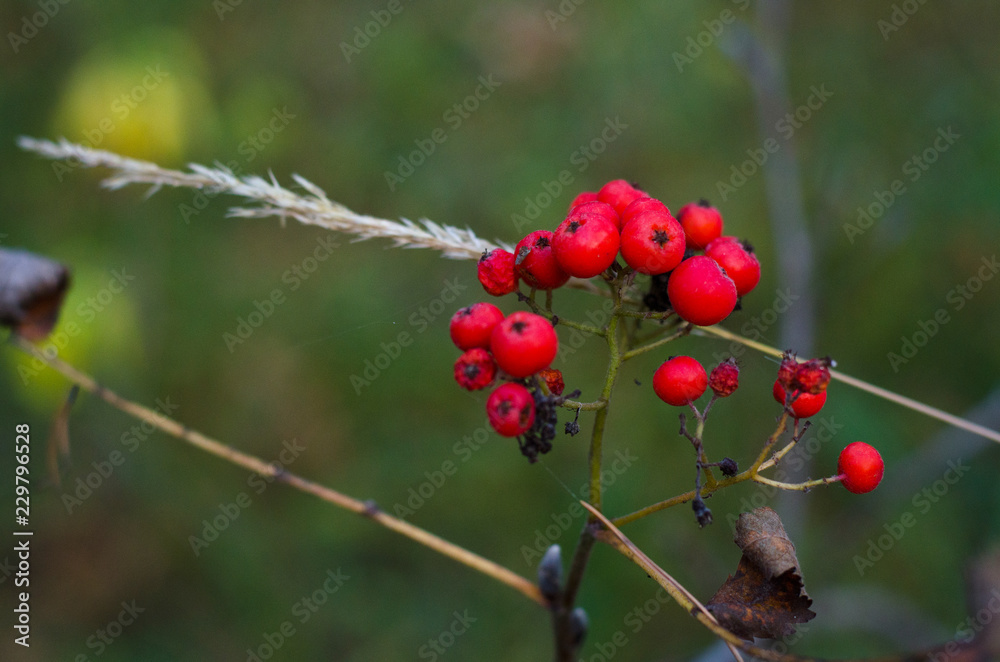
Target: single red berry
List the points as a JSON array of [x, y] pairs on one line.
[[700, 292], [472, 326], [640, 205], [599, 208], [653, 242], [725, 378], [586, 196], [553, 380], [804, 405], [475, 369], [740, 263], [585, 244], [680, 380], [702, 223], [535, 263], [813, 376], [861, 466], [619, 194], [511, 409], [524, 343], [496, 272]]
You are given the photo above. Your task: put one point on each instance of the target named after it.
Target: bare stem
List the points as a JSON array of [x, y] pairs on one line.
[[365, 508]]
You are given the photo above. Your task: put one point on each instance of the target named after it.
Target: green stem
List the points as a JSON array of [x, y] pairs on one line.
[[680, 333]]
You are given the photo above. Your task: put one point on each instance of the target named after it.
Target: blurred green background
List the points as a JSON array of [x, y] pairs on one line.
[[270, 87]]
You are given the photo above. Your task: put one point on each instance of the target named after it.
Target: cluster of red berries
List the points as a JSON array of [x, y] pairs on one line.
[[518, 349], [621, 219], [800, 387]]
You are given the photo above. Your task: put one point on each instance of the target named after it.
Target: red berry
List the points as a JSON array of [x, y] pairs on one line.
[[599, 208], [640, 205], [653, 242], [586, 196], [475, 369], [535, 263], [496, 272], [804, 405], [702, 223], [861, 466], [472, 326], [680, 380], [700, 292], [585, 244], [619, 194], [511, 409], [740, 263], [812, 377], [553, 380], [725, 378], [524, 343], [787, 369]]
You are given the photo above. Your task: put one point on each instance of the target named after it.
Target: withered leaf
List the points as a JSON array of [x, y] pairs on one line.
[[32, 288], [765, 598]]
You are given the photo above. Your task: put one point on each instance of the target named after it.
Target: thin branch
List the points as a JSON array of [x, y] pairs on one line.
[[365, 508]]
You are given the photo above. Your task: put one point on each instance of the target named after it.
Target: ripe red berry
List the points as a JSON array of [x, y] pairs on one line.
[[640, 205], [619, 194], [585, 244], [535, 263], [653, 242], [812, 377], [511, 409], [475, 369], [472, 326], [739, 262], [725, 378], [496, 272], [680, 380], [861, 466], [702, 223], [804, 405], [599, 208], [553, 380], [700, 292], [524, 343], [586, 196]]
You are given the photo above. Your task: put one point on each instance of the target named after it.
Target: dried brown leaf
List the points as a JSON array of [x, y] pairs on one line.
[[765, 598], [32, 288]]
